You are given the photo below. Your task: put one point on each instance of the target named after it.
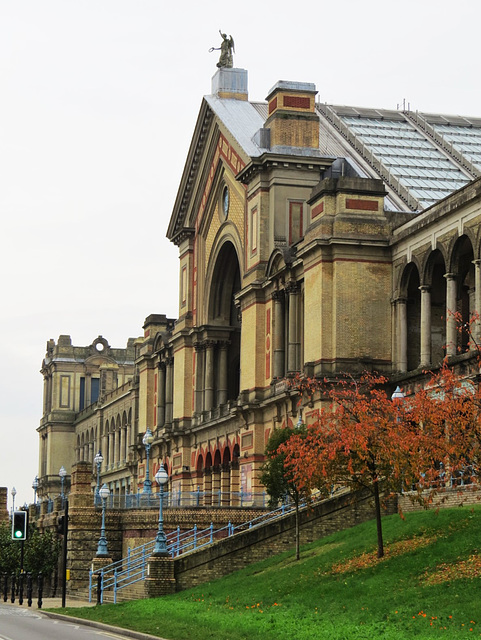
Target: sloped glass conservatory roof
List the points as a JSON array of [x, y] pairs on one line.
[[409, 156], [467, 140]]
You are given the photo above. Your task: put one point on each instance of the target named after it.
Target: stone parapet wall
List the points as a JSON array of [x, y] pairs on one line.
[[447, 497], [259, 543], [124, 529]]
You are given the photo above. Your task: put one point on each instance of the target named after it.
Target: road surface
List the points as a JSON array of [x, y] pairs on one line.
[[27, 624]]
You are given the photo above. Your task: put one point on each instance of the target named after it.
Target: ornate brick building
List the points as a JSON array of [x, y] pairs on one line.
[[312, 238]]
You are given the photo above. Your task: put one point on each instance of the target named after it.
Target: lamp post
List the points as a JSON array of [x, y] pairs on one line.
[[147, 440], [160, 548], [398, 394], [299, 422], [13, 493], [35, 487], [98, 461], [397, 398], [102, 549], [62, 473]]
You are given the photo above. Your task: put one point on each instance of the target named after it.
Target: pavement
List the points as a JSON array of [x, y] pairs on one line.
[[53, 603]]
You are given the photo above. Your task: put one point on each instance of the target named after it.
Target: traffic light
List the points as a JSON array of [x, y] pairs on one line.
[[19, 525]]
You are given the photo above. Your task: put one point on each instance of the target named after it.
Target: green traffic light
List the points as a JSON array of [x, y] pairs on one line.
[[18, 533]]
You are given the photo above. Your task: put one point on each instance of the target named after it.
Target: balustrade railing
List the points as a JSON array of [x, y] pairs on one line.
[[182, 499]]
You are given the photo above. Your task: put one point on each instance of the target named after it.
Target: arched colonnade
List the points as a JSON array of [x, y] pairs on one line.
[[437, 306]]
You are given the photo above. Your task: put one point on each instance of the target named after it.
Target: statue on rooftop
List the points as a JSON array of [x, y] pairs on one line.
[[226, 48]]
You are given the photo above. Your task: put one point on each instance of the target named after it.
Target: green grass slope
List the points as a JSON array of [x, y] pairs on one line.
[[427, 586]]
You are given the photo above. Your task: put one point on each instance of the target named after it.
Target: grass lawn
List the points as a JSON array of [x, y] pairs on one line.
[[427, 586]]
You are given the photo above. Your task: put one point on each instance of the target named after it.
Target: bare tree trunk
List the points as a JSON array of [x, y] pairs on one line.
[[298, 553], [377, 502]]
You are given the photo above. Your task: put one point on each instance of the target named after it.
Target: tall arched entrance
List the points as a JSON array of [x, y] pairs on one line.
[[217, 345]]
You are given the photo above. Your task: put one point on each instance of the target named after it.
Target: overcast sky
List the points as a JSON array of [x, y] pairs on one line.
[[98, 102]]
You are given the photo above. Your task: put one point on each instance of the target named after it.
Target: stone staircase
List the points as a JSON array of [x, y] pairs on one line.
[[134, 591]]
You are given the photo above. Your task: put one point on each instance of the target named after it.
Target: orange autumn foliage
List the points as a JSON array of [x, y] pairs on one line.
[[363, 437]]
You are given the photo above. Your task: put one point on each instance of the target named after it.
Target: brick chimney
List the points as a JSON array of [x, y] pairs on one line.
[[292, 119]]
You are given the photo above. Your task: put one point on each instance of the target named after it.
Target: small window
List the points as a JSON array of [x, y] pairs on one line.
[[82, 394], [94, 390]]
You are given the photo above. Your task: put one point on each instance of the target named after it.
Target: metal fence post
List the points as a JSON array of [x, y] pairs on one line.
[[40, 590], [5, 586], [20, 588], [99, 588], [12, 597], [29, 589]]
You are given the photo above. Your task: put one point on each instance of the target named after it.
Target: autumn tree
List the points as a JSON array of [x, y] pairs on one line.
[[362, 438], [278, 478]]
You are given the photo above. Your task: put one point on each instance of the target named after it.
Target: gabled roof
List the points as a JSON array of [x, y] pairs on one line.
[[422, 158]]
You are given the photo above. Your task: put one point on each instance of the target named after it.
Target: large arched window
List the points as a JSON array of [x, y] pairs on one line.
[[223, 314]]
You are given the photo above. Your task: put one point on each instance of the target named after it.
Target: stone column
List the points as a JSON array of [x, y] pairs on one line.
[[216, 485], [110, 457], [402, 333], [293, 328], [45, 395], [122, 444], [169, 390], [105, 448], [161, 395], [451, 329], [225, 484], [279, 336], [209, 377], [425, 325], [476, 326], [199, 378], [234, 483], [222, 375]]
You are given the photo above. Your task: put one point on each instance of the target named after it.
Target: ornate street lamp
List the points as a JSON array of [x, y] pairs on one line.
[[398, 394], [102, 549], [160, 548], [62, 473], [397, 398], [98, 461], [35, 487], [13, 493], [147, 440]]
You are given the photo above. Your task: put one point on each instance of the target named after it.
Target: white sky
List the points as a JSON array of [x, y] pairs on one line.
[[98, 102]]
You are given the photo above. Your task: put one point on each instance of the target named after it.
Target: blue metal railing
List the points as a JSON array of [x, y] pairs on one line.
[[133, 568]]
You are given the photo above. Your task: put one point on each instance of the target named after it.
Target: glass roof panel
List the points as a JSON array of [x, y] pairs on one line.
[[466, 139], [413, 158]]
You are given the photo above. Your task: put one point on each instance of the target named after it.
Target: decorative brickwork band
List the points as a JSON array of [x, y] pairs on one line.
[[318, 209], [297, 102], [363, 205]]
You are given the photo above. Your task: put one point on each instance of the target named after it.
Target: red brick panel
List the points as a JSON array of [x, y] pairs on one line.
[[298, 102], [364, 205]]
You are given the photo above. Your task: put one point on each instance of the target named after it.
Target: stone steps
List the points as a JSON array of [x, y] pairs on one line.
[[132, 592]]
